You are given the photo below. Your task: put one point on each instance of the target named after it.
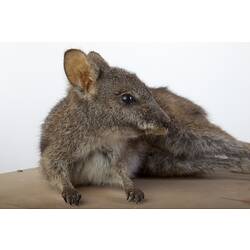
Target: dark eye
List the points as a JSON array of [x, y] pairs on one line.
[[128, 99]]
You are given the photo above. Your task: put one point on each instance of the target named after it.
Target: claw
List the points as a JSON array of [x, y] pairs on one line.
[[135, 195], [71, 196]]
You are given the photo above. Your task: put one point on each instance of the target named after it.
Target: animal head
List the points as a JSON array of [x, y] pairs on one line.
[[118, 99]]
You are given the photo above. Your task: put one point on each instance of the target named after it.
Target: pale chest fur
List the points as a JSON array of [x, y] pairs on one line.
[[99, 167]]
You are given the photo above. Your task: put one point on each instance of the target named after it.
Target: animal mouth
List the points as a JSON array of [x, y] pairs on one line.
[[158, 131]]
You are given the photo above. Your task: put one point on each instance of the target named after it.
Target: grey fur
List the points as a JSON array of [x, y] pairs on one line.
[[92, 137]]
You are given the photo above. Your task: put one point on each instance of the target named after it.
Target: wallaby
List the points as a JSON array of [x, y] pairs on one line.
[[111, 127]]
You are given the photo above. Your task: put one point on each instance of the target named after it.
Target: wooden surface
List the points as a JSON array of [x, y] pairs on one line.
[[29, 189]]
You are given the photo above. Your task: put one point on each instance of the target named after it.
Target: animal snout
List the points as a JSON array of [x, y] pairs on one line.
[[162, 124]]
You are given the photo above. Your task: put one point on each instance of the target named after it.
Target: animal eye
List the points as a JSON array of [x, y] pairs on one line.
[[128, 99]]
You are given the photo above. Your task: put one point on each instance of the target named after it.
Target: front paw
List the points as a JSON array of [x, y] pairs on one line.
[[135, 195], [71, 196]]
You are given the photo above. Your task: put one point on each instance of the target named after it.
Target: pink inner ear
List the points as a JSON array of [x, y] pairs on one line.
[[86, 80], [78, 69]]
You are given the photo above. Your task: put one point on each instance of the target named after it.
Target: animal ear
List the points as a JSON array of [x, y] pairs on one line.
[[98, 64], [78, 69]]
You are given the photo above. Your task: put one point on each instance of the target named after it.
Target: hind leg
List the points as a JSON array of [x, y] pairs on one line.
[[198, 153], [193, 142], [191, 134], [161, 164]]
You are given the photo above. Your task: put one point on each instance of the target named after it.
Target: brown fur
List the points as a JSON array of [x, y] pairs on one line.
[[94, 136]]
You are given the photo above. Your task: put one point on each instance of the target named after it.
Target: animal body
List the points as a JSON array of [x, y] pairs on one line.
[[111, 127]]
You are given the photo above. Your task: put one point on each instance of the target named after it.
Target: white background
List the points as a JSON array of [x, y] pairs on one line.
[[214, 75]]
